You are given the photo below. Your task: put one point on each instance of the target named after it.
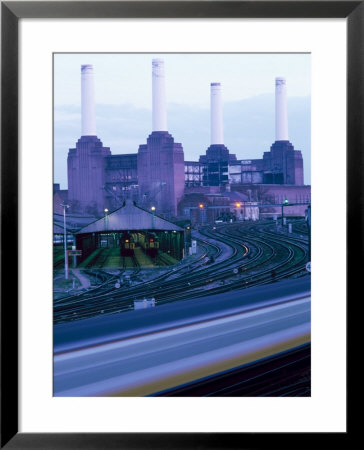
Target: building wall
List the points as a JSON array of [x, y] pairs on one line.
[[282, 165], [246, 172], [86, 176], [59, 197], [161, 171], [121, 179], [276, 194], [216, 165], [158, 175], [193, 174]]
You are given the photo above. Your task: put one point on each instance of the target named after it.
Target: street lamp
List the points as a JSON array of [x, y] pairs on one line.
[[201, 206], [106, 221], [285, 203], [64, 206], [153, 212], [238, 205]]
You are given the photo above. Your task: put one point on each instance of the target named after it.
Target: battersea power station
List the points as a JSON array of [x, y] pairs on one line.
[[158, 178]]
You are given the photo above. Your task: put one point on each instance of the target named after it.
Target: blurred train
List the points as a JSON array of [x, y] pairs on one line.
[[127, 244], [149, 243], [289, 330]]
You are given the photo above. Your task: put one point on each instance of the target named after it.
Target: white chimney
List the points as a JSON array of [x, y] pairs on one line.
[[159, 110], [217, 135], [88, 101], [281, 110]]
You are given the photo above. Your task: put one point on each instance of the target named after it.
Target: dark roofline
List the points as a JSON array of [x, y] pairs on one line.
[[121, 154], [132, 230]]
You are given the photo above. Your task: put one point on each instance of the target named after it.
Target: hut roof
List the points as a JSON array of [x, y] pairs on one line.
[[129, 217]]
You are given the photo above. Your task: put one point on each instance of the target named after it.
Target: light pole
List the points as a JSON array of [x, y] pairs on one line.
[[201, 206], [64, 206], [186, 235], [285, 203], [153, 213], [106, 223], [238, 210]]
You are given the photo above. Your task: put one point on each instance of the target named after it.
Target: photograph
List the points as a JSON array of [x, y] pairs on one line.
[[158, 164], [181, 224]]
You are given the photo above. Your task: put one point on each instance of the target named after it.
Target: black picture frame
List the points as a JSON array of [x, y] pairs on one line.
[[11, 12]]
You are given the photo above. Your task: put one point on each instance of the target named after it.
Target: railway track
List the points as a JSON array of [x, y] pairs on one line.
[[257, 269], [283, 255], [257, 256], [111, 300], [286, 374]]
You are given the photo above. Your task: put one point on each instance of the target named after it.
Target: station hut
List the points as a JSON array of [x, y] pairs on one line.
[[134, 221]]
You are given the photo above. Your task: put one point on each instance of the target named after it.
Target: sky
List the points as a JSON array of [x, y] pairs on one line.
[[123, 97]]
